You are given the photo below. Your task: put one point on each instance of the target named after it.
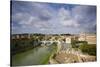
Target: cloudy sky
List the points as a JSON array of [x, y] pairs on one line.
[[52, 18]]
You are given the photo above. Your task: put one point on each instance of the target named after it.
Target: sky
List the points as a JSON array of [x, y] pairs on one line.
[[52, 18]]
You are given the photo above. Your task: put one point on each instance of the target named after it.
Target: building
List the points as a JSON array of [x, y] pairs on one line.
[[68, 39], [90, 38], [21, 36], [82, 37]]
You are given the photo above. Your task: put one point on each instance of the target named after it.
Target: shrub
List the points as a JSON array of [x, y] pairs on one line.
[[90, 49]]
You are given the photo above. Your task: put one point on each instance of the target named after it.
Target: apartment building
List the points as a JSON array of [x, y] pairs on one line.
[[90, 38]]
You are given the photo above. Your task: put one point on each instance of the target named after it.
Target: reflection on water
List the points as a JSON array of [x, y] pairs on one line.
[[32, 57]]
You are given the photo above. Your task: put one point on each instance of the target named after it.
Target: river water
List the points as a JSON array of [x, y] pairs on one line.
[[36, 56]]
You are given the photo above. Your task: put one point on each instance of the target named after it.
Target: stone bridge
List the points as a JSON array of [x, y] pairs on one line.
[[46, 43]]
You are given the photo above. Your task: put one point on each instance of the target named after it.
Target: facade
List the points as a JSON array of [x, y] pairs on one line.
[[90, 38], [82, 37], [68, 39], [18, 36]]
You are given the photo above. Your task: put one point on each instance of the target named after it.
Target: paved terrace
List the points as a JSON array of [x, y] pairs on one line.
[[72, 56]]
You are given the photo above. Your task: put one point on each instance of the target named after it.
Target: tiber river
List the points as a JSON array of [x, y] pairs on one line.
[[38, 55]]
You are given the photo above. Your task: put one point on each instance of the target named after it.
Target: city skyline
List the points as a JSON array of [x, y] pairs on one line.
[[52, 18]]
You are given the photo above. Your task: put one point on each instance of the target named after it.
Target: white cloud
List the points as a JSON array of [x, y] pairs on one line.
[[28, 21], [70, 23], [66, 19], [64, 14]]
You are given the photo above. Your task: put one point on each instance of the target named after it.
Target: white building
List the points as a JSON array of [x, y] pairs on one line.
[[82, 37], [68, 39]]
